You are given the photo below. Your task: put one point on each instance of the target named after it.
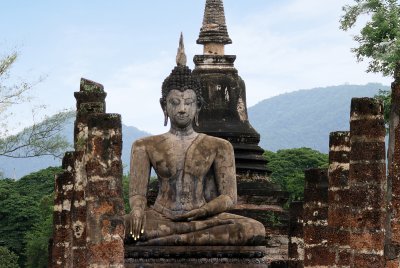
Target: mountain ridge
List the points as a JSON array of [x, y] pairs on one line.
[[302, 118], [16, 168]]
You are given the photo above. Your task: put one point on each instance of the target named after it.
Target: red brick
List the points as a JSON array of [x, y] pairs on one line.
[[367, 241], [368, 261]]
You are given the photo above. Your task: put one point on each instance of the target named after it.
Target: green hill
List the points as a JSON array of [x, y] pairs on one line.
[[305, 118]]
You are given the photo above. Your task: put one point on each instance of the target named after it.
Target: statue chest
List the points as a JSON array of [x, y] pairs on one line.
[[178, 159]]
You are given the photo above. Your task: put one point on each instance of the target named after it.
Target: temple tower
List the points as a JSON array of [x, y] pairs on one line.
[[224, 114]]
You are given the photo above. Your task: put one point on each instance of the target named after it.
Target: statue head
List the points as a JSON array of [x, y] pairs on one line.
[[181, 98]]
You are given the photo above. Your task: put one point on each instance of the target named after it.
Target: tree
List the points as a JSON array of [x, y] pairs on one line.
[[25, 215], [288, 167], [7, 258], [41, 138], [379, 39], [37, 239], [385, 97]]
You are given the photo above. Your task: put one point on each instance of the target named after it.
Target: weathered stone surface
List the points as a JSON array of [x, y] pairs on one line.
[[225, 98], [367, 184], [149, 252], [105, 208], [393, 227], [214, 28], [91, 237], [196, 187], [197, 262], [225, 94], [90, 99], [224, 115], [315, 219], [79, 211], [296, 236], [62, 232]]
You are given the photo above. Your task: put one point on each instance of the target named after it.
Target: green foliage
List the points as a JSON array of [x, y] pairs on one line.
[[385, 97], [18, 213], [8, 259], [25, 206], [37, 239], [125, 192], [288, 167], [38, 184], [379, 39]]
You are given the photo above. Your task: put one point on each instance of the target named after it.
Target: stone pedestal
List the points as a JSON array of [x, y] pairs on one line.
[[195, 256], [263, 201]]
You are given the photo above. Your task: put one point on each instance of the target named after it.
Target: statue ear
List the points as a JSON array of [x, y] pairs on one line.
[[196, 117], [164, 108], [165, 118]]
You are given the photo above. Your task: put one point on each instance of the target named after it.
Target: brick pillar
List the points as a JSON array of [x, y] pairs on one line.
[[339, 197], [105, 207], [367, 181], [393, 232], [78, 212], [62, 234], [315, 219], [89, 100], [296, 241]]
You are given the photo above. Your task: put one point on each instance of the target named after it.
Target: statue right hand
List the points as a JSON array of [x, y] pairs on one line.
[[137, 220]]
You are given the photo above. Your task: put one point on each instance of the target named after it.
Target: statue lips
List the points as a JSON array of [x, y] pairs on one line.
[[183, 117]]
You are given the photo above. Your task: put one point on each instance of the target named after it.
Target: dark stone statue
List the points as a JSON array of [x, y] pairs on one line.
[[196, 175]]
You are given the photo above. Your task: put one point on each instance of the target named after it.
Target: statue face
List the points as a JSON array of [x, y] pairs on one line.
[[181, 107]]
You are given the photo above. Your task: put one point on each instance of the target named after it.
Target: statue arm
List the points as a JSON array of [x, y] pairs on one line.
[[225, 178], [139, 176], [139, 179]]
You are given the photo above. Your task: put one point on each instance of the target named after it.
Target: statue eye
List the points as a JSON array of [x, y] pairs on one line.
[[174, 101], [189, 101]]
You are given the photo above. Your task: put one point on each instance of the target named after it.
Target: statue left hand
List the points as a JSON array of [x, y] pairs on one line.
[[193, 215]]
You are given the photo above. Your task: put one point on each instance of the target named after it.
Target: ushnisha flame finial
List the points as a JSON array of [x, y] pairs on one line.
[[181, 56]]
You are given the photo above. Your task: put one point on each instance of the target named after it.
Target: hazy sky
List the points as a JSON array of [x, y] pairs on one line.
[[129, 46]]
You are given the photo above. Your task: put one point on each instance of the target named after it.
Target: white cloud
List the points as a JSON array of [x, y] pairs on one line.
[[281, 47], [134, 91], [296, 46]]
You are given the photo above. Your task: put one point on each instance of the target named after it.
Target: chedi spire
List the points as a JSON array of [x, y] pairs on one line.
[[214, 28], [181, 56]]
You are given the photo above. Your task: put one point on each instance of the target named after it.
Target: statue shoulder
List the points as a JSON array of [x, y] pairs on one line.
[[148, 141], [217, 142]]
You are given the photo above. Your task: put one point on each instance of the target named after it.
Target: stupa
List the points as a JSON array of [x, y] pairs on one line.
[[224, 114]]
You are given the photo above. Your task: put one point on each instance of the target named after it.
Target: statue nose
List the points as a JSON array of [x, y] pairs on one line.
[[182, 109]]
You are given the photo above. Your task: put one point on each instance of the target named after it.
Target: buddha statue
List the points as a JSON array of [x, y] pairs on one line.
[[196, 176]]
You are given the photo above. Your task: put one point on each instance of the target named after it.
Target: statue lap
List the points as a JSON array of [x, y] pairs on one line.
[[224, 229]]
